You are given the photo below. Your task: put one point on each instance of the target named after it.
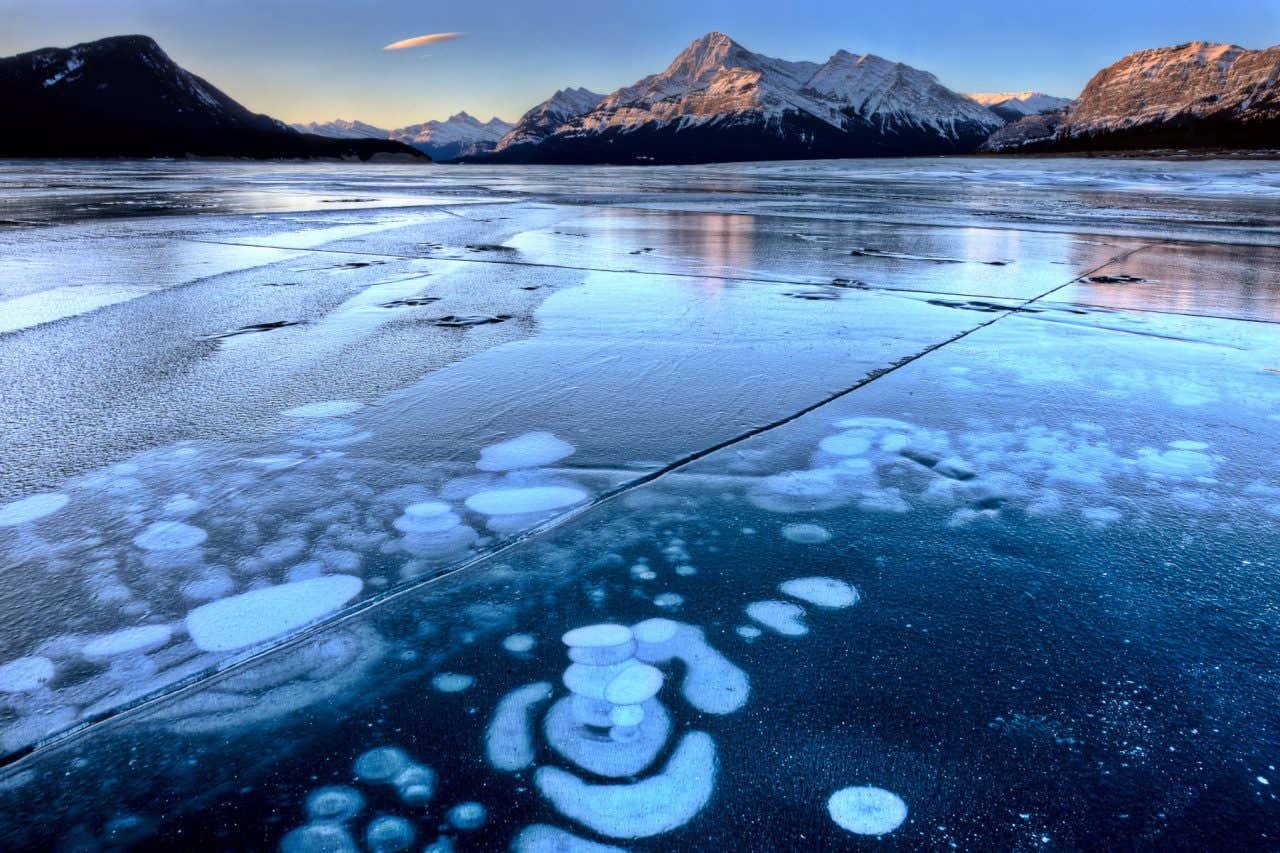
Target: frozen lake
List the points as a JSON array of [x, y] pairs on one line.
[[929, 503]]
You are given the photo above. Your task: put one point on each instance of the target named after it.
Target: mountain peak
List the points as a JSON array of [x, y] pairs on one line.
[[705, 55]]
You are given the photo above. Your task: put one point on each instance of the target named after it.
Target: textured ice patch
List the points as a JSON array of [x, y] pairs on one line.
[[806, 534], [1183, 459], [541, 838], [782, 617], [327, 409], [824, 592], [170, 536], [452, 682], [866, 810], [531, 450], [657, 804], [799, 491], [143, 638], [25, 674], [33, 508], [254, 617], [854, 443], [508, 741], [525, 501]]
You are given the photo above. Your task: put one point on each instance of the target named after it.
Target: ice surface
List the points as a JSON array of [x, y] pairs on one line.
[[509, 743], [806, 534], [254, 617], [525, 501], [541, 838], [144, 638], [327, 409], [170, 536], [25, 674]]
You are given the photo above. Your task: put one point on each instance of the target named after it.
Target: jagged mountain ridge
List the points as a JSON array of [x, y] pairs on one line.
[[1012, 106], [541, 121], [343, 129], [1194, 95], [719, 101], [124, 97], [457, 135]]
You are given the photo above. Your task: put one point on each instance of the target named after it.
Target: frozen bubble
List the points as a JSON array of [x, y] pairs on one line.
[[1185, 444], [381, 764], [524, 501], [253, 617], [416, 785], [649, 807], [319, 838], [467, 816], [518, 644], [806, 534], [875, 423], [452, 682], [712, 683], [846, 444], [591, 681], [170, 536], [531, 450], [31, 508], [627, 715], [327, 409], [509, 738], [180, 506], [883, 500], [541, 838], [1177, 462], [1102, 516], [389, 834], [570, 736], [668, 600], [603, 655], [427, 509], [866, 810], [634, 685], [748, 632], [443, 844], [214, 584], [336, 802], [798, 491], [25, 674], [594, 636], [824, 592], [782, 617], [143, 638], [655, 630]]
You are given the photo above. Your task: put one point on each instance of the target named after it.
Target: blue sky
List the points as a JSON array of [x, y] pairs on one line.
[[321, 59]]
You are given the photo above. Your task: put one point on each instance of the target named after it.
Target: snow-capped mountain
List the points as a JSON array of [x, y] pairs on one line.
[[1196, 95], [342, 129], [719, 101], [124, 97], [541, 121], [1012, 106], [454, 137]]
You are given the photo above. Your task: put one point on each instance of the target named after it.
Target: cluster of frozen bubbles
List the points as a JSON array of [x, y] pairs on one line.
[[887, 465], [249, 551]]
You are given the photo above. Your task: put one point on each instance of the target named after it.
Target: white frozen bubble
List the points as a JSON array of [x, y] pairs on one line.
[[32, 508], [798, 491], [519, 644], [144, 638], [180, 506], [531, 450], [634, 685], [593, 636], [748, 632], [253, 617], [668, 600], [1177, 462], [806, 534], [389, 834], [591, 681], [782, 617], [1186, 444], [320, 837], [213, 584], [26, 674], [542, 838], [652, 806], [416, 784], [467, 816], [452, 682], [335, 802], [854, 443], [872, 422], [508, 740], [712, 683], [524, 501], [627, 716], [569, 736], [381, 764], [170, 536], [883, 500], [867, 810], [326, 409], [1101, 516], [824, 592]]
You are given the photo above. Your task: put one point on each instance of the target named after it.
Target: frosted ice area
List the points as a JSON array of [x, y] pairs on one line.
[[772, 516]]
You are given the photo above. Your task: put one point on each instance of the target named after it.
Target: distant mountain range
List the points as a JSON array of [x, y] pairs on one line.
[[1012, 106], [124, 97], [459, 135], [719, 101], [1196, 95]]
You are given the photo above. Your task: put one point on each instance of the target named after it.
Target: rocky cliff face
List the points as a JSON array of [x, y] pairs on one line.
[[1196, 95]]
